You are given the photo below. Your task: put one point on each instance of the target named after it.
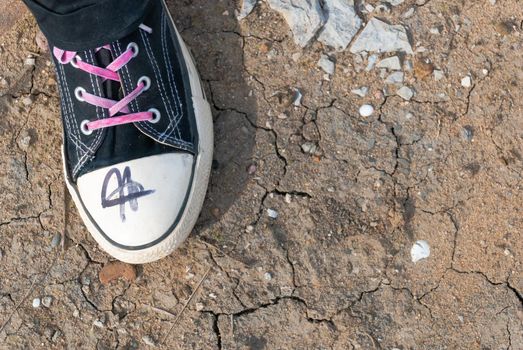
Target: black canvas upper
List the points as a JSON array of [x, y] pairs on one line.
[[76, 25], [159, 58]]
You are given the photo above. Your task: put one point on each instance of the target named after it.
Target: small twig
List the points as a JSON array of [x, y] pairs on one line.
[[159, 310], [186, 304]]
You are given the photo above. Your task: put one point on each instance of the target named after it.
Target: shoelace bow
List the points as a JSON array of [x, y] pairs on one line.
[[110, 73]]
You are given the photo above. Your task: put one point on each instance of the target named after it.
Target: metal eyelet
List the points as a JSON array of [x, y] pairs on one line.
[[79, 92], [134, 47], [156, 115], [85, 129], [74, 61], [146, 82]]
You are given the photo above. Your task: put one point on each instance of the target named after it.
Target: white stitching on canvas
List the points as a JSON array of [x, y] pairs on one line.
[[172, 82]]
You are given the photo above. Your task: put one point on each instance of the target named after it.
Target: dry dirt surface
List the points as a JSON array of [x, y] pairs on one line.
[[305, 239]]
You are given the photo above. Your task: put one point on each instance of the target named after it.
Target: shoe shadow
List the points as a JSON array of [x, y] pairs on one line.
[[211, 30]]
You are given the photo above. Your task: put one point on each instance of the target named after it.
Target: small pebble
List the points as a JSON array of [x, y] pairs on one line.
[[371, 62], [467, 132], [251, 169], [212, 296], [36, 302], [57, 238], [27, 101], [466, 82], [438, 74], [47, 301], [408, 13], [115, 270], [56, 335], [288, 198], [434, 31], [405, 93], [298, 96], [30, 61], [420, 250], [395, 78], [249, 228], [199, 306], [326, 64], [309, 147], [366, 110], [390, 63], [148, 340], [98, 324], [273, 214], [267, 276], [361, 92]]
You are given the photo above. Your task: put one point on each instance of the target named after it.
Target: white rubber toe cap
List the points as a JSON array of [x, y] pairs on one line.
[[136, 204]]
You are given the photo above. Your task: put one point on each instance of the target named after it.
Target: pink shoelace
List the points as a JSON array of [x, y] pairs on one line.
[[110, 73]]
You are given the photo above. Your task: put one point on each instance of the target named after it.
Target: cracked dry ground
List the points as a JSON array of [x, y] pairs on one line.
[[333, 271]]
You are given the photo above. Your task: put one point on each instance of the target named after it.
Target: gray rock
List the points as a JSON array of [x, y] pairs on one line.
[[395, 78], [246, 9], [371, 62], [57, 238], [342, 24], [405, 93], [378, 36], [304, 17], [390, 63], [326, 64], [361, 92]]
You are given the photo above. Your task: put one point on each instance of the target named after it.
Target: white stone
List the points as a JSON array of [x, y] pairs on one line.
[[98, 324], [420, 250], [148, 340], [366, 110], [371, 62], [434, 31], [466, 82], [36, 302], [342, 24], [390, 63], [326, 64], [304, 17], [273, 214], [378, 36], [405, 93]]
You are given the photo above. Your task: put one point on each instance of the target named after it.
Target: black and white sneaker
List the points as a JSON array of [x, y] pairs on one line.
[[138, 139]]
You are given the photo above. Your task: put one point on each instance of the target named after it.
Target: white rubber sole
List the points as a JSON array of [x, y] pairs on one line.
[[198, 190]]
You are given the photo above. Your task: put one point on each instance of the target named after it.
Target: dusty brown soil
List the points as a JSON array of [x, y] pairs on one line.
[[333, 271]]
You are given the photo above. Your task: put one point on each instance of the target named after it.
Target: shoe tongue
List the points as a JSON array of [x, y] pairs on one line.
[[123, 142], [112, 89]]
